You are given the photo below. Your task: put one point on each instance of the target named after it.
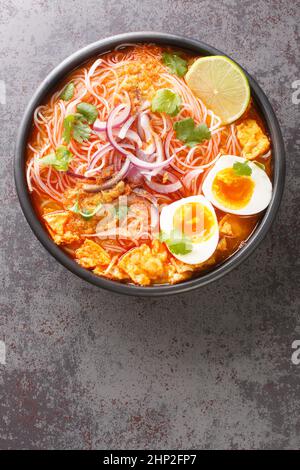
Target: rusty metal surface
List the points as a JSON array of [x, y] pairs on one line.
[[89, 369]]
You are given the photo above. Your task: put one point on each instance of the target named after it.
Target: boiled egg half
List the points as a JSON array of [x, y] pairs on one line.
[[238, 186], [192, 219]]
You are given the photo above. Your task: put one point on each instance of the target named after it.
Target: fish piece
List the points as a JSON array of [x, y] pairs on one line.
[[252, 139], [145, 264], [56, 223], [114, 273], [232, 226], [90, 255]]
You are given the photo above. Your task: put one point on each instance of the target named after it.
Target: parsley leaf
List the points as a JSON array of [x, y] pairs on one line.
[[88, 111], [188, 132], [177, 242], [242, 169], [85, 214], [68, 92], [59, 160], [175, 63], [166, 101]]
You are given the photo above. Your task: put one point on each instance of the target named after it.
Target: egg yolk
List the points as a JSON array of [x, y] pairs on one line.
[[232, 190], [195, 221]]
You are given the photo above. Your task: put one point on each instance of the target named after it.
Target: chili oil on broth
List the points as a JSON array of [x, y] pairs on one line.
[[133, 74]]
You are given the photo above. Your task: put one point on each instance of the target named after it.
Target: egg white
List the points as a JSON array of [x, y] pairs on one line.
[[201, 251], [262, 193]]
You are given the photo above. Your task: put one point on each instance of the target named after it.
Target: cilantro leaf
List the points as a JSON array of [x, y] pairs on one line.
[[68, 92], [81, 131], [242, 169], [68, 125], [166, 101], [88, 111], [74, 127], [175, 63], [177, 242], [180, 247], [188, 132], [59, 160]]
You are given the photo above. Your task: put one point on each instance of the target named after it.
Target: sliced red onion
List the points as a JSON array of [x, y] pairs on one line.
[[159, 148], [136, 161], [123, 116], [100, 153], [145, 105], [134, 176], [145, 133], [147, 165], [75, 175], [132, 135], [160, 153], [95, 188], [150, 149], [175, 185], [144, 156], [160, 158], [126, 127], [187, 179], [144, 127], [167, 144], [143, 193]]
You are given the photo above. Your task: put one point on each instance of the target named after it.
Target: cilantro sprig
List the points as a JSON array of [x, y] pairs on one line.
[[242, 168], [175, 64], [177, 242], [166, 101], [68, 92], [76, 125], [59, 159], [187, 131]]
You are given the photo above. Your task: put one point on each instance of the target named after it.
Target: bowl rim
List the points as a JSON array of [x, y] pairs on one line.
[[99, 47]]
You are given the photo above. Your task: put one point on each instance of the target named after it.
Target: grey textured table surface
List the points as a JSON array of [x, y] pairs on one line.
[[89, 369]]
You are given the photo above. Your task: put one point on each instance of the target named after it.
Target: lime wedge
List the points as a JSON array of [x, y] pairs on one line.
[[221, 85]]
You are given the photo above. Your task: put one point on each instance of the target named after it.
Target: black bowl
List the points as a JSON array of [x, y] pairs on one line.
[[50, 83]]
